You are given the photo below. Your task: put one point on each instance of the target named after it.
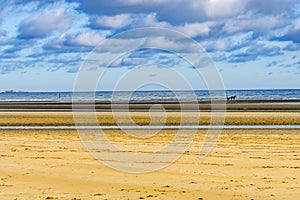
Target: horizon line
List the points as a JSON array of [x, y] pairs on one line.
[[147, 90]]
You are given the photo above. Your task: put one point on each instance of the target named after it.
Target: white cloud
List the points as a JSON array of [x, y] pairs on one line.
[[217, 45], [42, 24], [86, 38], [82, 41], [195, 29], [149, 20], [162, 43], [178, 44], [189, 29], [255, 23], [116, 21], [221, 8], [297, 26]]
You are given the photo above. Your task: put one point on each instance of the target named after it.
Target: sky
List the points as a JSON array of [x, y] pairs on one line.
[[254, 44]]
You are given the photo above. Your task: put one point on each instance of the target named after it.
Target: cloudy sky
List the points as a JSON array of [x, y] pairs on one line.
[[253, 43]]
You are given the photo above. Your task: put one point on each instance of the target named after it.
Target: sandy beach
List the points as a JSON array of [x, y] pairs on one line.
[[245, 164]]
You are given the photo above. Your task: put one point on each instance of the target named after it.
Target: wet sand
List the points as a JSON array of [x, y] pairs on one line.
[[237, 105], [245, 164]]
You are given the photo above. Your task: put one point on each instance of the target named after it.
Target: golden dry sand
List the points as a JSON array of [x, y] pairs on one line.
[[245, 164], [143, 118]]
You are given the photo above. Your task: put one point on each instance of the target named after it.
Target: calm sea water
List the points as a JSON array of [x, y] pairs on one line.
[[152, 96]]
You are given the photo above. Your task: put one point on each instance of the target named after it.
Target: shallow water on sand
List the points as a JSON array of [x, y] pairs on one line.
[[150, 127]]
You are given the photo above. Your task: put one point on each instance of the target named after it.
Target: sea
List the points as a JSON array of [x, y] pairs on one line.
[[150, 96]]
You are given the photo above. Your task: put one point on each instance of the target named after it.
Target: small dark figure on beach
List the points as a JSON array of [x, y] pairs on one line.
[[231, 98]]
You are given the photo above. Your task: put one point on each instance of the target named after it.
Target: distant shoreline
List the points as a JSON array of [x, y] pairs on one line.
[[175, 90], [238, 101], [154, 97]]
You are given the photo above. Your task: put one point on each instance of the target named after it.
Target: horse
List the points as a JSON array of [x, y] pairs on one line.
[[232, 97]]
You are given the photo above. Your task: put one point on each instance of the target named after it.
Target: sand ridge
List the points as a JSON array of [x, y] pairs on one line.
[[143, 118]]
